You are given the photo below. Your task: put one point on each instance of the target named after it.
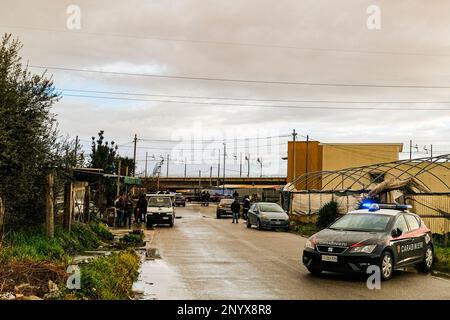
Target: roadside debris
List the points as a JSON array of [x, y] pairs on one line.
[[25, 280]]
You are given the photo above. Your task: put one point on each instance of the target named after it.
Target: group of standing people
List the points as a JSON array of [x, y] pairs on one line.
[[205, 198], [236, 208], [125, 210]]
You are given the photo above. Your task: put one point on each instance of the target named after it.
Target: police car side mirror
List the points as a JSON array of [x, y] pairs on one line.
[[396, 233]]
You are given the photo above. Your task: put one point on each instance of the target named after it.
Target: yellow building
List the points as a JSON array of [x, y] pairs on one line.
[[335, 156]]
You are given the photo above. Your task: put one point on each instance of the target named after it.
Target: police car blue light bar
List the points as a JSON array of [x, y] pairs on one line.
[[367, 204], [396, 206]]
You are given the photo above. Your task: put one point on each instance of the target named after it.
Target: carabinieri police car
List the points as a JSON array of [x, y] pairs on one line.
[[384, 235]]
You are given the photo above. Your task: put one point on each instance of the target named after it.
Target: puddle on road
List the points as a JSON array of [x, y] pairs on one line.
[[157, 280], [87, 256]]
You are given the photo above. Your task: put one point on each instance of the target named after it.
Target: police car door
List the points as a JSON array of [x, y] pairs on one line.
[[416, 245], [400, 241]]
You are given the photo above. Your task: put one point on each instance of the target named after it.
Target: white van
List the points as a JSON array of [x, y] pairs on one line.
[[160, 210]]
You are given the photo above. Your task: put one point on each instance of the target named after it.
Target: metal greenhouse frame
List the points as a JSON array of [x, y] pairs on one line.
[[427, 190], [360, 176]]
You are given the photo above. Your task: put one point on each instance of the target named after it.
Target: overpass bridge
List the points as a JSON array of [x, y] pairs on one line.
[[171, 183]]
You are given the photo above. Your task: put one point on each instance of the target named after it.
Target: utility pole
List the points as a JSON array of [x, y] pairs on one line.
[[146, 157], [431, 151], [210, 176], [294, 136], [76, 150], [410, 150], [240, 167], [247, 158], [260, 163], [134, 155], [199, 179], [118, 177], [185, 167], [159, 172], [224, 157], [411, 147], [218, 170], [168, 159], [306, 161]]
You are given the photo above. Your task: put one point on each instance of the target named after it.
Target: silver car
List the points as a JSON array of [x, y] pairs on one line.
[[267, 215]]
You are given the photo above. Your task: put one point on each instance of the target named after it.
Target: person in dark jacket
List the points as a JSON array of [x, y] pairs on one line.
[[235, 208], [128, 212], [207, 198], [245, 207], [143, 208], [120, 206]]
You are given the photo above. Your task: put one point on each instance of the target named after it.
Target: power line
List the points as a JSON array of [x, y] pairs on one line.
[[207, 149], [248, 99], [364, 85], [258, 105], [225, 43], [220, 140]]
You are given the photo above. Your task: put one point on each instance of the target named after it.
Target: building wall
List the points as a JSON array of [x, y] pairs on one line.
[[338, 156], [313, 150]]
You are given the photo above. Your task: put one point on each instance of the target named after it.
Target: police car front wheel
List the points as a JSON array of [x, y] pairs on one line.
[[314, 271], [428, 259], [386, 265]]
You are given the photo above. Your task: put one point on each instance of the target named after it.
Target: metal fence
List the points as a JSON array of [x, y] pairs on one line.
[[434, 209]]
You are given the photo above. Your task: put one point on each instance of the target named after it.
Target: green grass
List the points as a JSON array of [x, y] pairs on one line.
[[108, 278], [34, 245], [442, 257], [132, 240], [305, 229]]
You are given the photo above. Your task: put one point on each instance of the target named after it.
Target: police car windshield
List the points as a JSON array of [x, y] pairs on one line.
[[362, 222], [159, 202]]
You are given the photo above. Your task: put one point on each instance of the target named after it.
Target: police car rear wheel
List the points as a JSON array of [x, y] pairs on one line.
[[428, 259], [386, 265]]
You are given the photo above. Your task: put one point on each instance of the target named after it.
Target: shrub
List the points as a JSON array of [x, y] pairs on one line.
[[87, 238], [34, 245], [327, 214], [442, 258], [305, 229], [102, 231], [109, 278], [132, 240]]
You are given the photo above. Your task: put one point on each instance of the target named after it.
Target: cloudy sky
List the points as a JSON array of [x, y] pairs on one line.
[[314, 65]]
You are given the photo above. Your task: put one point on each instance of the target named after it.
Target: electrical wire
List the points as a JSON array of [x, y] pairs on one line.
[[323, 84]]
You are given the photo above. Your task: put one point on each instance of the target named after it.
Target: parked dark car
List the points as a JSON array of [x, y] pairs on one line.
[[386, 236], [180, 200], [224, 208]]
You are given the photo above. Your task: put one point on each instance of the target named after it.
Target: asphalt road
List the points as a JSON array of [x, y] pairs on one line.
[[206, 258]]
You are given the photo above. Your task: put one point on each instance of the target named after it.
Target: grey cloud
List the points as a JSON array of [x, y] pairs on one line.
[[409, 49]]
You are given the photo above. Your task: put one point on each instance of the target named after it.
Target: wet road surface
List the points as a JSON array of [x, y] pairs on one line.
[[206, 258]]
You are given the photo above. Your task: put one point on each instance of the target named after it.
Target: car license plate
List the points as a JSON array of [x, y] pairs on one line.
[[329, 258], [165, 218]]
